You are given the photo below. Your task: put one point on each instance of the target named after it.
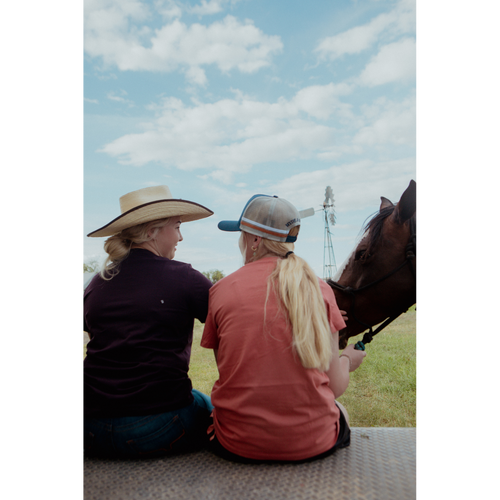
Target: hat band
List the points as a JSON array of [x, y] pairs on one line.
[[154, 210], [265, 229]]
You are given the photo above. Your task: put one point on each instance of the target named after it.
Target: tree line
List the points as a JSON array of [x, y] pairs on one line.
[[213, 275]]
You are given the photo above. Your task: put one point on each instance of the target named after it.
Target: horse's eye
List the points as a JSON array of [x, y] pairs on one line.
[[359, 254], [362, 255]]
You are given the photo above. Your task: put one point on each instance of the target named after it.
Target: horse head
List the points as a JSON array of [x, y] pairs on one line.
[[378, 280]]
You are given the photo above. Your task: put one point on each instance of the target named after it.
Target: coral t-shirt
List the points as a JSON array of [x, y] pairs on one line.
[[267, 406]]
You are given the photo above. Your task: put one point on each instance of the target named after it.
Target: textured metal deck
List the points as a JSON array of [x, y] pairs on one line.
[[380, 464]]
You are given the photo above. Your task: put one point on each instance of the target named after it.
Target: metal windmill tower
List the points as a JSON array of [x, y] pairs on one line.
[[328, 207], [329, 265]]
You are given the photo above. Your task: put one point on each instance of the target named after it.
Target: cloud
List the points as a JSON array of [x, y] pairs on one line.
[[196, 75], [209, 7], [394, 62], [119, 98], [168, 9], [118, 32], [386, 26], [231, 135], [356, 185], [388, 122], [352, 41], [320, 101], [228, 137], [93, 101]]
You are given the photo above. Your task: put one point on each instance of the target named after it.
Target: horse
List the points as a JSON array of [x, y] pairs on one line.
[[377, 282]]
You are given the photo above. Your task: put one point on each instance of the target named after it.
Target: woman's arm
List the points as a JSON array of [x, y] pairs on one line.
[[348, 361]]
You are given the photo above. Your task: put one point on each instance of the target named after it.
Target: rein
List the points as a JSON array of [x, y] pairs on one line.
[[410, 254]]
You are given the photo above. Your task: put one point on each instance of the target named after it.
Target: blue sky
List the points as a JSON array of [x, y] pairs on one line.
[[223, 99]]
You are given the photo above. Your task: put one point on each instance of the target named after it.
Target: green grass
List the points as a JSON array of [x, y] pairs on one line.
[[202, 368], [381, 393]]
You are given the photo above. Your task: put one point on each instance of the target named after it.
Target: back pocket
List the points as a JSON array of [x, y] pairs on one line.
[[164, 440]]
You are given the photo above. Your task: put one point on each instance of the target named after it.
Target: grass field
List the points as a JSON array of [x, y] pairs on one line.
[[381, 393]]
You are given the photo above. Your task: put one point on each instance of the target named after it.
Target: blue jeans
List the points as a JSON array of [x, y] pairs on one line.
[[150, 435]]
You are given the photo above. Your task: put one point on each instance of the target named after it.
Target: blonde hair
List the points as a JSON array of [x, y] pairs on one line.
[[298, 292], [118, 246]]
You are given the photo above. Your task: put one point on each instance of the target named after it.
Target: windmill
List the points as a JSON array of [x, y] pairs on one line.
[[329, 265]]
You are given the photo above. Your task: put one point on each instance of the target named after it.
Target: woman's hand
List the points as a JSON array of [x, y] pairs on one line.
[[355, 356], [344, 315]]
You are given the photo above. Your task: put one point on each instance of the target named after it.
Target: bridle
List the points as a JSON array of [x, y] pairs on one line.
[[410, 255]]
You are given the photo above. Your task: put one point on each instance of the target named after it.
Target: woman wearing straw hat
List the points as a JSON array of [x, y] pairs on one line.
[[139, 313], [274, 327]]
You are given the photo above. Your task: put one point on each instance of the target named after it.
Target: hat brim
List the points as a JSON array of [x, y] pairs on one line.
[[187, 211], [229, 225]]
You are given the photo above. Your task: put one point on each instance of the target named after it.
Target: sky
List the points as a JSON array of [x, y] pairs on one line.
[[224, 99]]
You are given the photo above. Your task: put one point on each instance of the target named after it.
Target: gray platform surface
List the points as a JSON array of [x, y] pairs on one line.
[[380, 464]]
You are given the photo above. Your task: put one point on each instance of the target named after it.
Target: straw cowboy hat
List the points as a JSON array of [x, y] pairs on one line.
[[148, 204]]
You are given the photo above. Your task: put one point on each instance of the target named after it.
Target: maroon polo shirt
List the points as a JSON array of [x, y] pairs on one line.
[[141, 328]]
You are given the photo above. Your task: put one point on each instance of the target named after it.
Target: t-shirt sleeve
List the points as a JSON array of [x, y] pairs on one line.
[[209, 338], [199, 286], [337, 323]]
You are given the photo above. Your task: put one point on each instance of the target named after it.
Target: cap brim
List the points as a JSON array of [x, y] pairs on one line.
[[229, 225]]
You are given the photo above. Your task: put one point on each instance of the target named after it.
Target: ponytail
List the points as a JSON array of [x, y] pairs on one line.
[[118, 246], [298, 291]]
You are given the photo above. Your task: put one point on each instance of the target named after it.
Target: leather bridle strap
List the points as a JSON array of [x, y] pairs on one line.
[[410, 251]]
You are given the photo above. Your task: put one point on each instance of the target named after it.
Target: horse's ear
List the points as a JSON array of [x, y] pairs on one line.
[[385, 203], [407, 205]]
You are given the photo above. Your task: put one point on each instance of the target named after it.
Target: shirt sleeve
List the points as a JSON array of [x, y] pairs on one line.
[[210, 338], [199, 286], [337, 323]]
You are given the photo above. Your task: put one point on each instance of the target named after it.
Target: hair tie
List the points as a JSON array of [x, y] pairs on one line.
[[287, 254]]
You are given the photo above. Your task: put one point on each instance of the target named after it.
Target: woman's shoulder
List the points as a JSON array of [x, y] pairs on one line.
[[190, 275], [326, 289], [252, 274], [185, 268]]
